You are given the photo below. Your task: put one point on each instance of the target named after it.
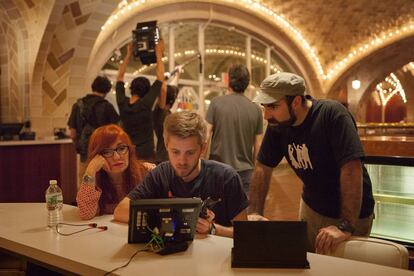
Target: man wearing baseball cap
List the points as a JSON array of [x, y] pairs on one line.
[[319, 139]]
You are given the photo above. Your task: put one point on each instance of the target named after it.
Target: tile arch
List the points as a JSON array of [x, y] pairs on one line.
[[105, 44], [10, 92], [372, 69]]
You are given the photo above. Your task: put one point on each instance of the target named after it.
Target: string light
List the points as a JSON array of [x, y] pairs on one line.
[[256, 6], [227, 52], [388, 88], [409, 67]]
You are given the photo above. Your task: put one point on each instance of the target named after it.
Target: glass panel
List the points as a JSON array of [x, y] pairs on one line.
[[186, 47], [276, 64], [394, 221], [392, 180], [258, 58], [394, 195], [223, 47], [187, 99]]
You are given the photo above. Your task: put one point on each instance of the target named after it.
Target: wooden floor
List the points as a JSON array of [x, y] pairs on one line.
[[282, 202]]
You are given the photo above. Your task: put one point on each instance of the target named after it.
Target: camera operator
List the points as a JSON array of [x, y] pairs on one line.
[[136, 112]]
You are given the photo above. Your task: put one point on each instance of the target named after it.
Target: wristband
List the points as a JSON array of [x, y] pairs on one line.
[[345, 226], [212, 229], [87, 179]]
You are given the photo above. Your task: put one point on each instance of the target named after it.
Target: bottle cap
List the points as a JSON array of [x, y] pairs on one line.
[[52, 182]]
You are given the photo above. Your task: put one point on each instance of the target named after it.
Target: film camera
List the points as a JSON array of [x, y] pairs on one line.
[[145, 37]]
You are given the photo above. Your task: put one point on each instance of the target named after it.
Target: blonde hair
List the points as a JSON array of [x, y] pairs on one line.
[[185, 124]]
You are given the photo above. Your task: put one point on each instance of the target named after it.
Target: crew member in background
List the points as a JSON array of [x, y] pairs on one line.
[[136, 111], [89, 113], [236, 125]]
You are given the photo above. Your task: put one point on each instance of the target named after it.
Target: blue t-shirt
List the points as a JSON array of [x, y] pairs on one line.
[[216, 180], [316, 151]]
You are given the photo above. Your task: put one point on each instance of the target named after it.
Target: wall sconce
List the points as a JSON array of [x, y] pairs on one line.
[[356, 84]]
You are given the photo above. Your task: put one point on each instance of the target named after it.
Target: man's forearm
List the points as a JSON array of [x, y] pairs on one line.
[[227, 231], [224, 231], [72, 134], [351, 190], [259, 187], [209, 133], [121, 212], [159, 67], [124, 64], [256, 147]]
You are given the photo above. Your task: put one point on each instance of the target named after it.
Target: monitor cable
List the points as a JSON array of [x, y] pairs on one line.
[[89, 227]]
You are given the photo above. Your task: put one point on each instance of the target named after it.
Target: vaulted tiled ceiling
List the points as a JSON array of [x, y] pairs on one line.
[[333, 30], [333, 27]]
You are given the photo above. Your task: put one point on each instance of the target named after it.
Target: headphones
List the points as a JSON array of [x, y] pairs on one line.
[[89, 226]]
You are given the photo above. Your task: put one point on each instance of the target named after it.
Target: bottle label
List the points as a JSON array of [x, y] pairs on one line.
[[54, 201]]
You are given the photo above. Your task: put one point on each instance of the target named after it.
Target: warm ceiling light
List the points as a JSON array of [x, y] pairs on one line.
[[356, 84]]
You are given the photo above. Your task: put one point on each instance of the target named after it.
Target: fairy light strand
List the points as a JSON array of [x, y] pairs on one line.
[[378, 41], [393, 85], [274, 68]]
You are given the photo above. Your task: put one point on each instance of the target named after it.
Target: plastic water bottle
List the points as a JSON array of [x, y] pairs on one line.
[[54, 204]]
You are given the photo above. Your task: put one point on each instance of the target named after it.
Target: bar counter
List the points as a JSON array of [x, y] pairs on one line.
[[388, 145], [27, 166]]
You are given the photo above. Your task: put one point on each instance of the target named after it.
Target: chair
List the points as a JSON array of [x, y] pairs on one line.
[[372, 250]]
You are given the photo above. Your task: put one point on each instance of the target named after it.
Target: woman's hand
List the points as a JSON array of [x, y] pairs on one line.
[[97, 163]]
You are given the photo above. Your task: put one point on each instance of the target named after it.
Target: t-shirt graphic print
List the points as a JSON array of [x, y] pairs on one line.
[[299, 156]]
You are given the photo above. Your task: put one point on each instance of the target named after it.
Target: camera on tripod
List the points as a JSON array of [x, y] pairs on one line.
[[145, 37]]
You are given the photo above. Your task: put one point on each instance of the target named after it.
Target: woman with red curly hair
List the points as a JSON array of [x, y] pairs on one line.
[[112, 172]]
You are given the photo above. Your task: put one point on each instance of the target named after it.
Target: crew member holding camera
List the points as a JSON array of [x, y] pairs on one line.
[[136, 112]]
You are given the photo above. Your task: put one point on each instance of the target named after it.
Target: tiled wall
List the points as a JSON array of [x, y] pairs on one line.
[[11, 100], [58, 67], [22, 26]]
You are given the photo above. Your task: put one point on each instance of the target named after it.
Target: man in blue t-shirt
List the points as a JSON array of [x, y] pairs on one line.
[[186, 175], [319, 139]]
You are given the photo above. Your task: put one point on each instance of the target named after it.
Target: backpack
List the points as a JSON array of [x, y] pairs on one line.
[[86, 125]]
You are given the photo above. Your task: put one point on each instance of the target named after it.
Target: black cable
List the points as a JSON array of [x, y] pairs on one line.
[[91, 226], [130, 259], [72, 233]]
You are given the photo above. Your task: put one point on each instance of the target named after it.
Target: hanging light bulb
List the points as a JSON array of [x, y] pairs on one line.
[[356, 84]]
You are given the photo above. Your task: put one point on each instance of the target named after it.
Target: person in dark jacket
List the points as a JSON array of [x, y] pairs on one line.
[[136, 111]]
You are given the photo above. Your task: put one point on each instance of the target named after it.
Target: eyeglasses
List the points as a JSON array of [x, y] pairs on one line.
[[121, 150]]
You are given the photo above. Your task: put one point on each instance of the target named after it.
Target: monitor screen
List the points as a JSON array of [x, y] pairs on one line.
[[174, 219], [8, 130]]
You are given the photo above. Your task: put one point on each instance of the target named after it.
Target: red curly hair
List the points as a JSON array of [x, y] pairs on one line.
[[102, 138]]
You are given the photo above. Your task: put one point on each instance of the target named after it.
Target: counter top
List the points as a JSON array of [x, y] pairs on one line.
[[35, 142], [23, 231]]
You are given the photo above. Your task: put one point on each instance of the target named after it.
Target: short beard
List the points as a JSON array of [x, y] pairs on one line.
[[283, 124]]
